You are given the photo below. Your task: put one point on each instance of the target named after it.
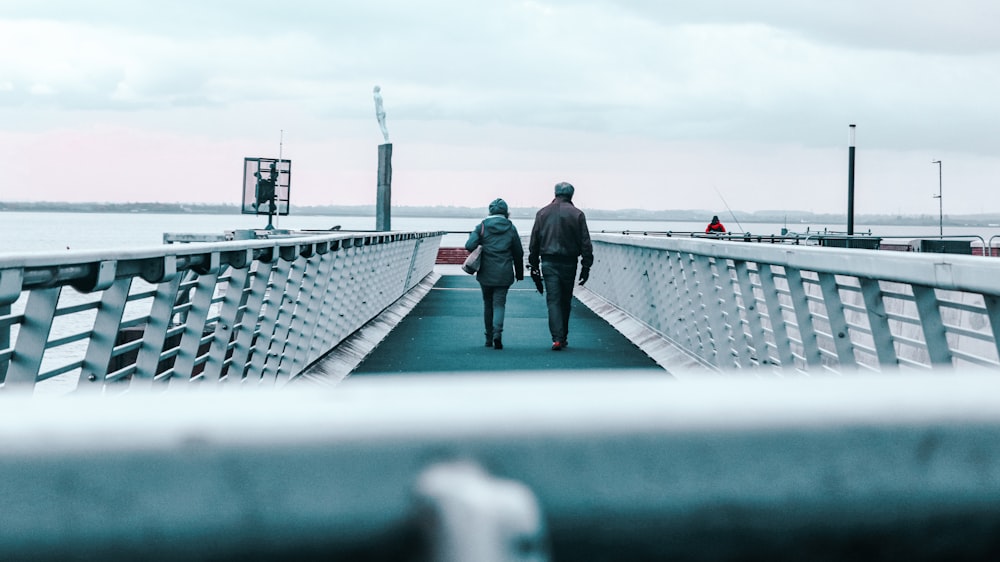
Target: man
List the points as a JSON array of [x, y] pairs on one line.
[[558, 238]]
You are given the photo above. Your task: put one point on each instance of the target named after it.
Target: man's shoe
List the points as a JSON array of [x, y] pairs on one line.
[[557, 346], [497, 343]]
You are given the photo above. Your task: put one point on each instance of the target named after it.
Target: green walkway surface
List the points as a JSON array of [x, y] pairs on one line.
[[444, 332]]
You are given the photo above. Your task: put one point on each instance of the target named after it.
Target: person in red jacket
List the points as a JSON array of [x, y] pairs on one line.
[[715, 227]]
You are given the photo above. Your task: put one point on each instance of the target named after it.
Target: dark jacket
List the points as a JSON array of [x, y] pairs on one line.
[[560, 233], [503, 256]]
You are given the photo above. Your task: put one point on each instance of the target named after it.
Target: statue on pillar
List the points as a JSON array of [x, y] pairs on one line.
[[380, 113]]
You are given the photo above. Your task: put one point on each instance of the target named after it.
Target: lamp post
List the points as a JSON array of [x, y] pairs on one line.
[[850, 181], [940, 202]]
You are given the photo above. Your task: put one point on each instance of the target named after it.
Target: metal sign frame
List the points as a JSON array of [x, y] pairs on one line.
[[257, 192]]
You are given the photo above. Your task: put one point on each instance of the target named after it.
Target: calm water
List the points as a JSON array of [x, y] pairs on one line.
[[45, 232]]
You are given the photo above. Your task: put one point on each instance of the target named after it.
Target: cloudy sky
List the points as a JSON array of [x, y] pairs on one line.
[[649, 104]]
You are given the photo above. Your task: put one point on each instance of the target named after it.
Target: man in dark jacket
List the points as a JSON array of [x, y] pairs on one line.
[[558, 238], [501, 262]]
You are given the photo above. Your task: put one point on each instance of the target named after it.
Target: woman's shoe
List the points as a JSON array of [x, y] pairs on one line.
[[489, 339], [497, 343]]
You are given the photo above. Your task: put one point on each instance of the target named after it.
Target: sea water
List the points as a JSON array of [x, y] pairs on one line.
[[45, 231]]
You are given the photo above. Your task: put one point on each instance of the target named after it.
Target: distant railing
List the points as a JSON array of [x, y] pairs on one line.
[[949, 244], [250, 311], [734, 305]]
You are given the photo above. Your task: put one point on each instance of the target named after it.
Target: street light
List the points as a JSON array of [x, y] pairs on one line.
[[940, 202], [850, 181]]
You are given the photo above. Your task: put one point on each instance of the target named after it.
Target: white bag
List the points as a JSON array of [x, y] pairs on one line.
[[471, 265]]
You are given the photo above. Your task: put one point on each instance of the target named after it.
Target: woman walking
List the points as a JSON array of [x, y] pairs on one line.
[[501, 262]]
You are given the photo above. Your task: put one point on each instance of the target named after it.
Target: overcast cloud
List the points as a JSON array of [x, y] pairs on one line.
[[640, 104]]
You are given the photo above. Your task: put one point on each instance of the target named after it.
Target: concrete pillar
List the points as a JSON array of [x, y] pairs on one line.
[[384, 195]]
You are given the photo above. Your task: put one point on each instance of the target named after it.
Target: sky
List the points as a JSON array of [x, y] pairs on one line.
[[722, 105]]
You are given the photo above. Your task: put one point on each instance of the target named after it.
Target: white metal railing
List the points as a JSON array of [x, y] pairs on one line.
[[562, 466], [255, 311], [735, 305]]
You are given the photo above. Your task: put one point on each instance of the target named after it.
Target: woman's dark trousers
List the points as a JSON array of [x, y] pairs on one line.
[[494, 309]]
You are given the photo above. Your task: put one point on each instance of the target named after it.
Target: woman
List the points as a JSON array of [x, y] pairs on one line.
[[501, 262]]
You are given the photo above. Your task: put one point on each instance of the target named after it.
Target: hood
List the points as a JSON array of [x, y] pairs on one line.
[[497, 224]]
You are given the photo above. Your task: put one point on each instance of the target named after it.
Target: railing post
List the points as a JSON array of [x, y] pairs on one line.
[[106, 328], [31, 340], [472, 515], [226, 327]]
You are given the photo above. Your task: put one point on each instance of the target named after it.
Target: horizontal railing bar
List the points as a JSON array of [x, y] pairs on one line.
[[900, 339], [905, 318], [961, 306], [52, 373], [853, 307], [141, 295], [906, 362], [965, 332], [10, 320], [65, 340], [77, 308], [974, 359], [120, 374], [829, 354]]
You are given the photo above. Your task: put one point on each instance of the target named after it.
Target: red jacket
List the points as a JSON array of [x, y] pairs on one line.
[[714, 227]]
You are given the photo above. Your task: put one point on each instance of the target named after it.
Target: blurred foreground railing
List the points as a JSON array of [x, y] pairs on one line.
[[735, 305], [253, 311], [593, 467]]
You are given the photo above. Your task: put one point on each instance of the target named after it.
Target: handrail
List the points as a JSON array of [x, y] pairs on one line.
[[204, 311], [988, 248], [820, 468], [804, 307], [793, 238]]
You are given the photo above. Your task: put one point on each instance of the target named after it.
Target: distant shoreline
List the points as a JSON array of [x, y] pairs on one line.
[[692, 215]]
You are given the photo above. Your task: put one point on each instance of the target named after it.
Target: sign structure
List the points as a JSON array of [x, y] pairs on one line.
[[266, 186]]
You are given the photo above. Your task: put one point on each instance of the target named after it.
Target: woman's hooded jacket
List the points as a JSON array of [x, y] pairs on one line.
[[502, 259]]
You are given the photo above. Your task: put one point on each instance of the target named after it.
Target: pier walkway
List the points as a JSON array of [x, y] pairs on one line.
[[444, 333]]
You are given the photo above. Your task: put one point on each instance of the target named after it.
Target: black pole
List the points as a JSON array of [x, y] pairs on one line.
[[850, 183], [384, 195], [940, 199]]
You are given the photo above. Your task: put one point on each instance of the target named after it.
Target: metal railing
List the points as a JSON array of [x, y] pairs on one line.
[[734, 305], [817, 238], [255, 311], [570, 466]]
